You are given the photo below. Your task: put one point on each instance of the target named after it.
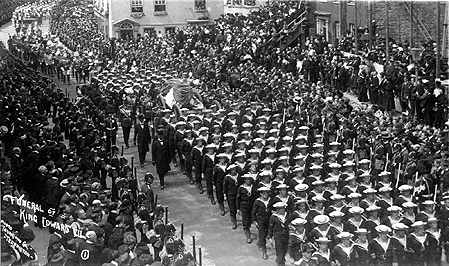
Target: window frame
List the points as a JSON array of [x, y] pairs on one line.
[[160, 3], [196, 9], [136, 4]]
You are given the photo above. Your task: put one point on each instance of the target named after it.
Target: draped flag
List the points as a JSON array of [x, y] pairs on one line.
[[181, 93]]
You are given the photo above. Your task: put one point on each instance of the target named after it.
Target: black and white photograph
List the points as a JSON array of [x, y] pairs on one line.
[[224, 132]]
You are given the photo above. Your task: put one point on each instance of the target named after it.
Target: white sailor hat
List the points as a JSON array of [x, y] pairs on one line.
[[361, 231], [350, 177], [337, 197], [432, 220], [331, 180], [394, 208], [270, 150], [369, 191], [372, 208], [428, 202], [287, 138], [282, 158], [231, 166], [383, 229], [384, 173], [348, 151], [282, 186], [317, 155], [409, 204], [321, 219], [399, 226], [364, 161], [227, 145], [405, 188], [323, 240], [249, 176], [418, 224], [263, 189], [336, 214], [343, 235], [316, 167], [385, 189], [279, 204], [211, 146], [299, 221], [318, 183], [356, 210], [334, 165], [354, 195], [301, 187], [266, 161]]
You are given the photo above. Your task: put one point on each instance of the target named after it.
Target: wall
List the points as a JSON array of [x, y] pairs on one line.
[[399, 19]]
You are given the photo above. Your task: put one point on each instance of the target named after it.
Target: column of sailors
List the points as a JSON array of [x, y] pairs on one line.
[[320, 201]]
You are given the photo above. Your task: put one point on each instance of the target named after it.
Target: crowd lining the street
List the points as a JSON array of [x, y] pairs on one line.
[[276, 141]]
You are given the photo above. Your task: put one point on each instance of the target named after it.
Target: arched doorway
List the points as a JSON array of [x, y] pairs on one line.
[[126, 31]]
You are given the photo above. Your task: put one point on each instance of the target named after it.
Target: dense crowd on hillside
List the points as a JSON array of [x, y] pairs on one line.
[[276, 141], [8, 7]]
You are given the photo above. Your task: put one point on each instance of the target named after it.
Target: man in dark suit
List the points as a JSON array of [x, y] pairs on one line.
[[161, 156], [143, 136], [126, 127]]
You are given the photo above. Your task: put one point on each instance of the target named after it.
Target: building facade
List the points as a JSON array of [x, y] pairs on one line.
[[133, 18], [336, 19], [242, 6]]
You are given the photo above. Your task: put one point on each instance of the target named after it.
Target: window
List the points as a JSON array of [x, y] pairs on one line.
[[136, 6], [337, 30], [322, 28], [250, 2], [150, 31], [170, 31], [200, 5], [160, 6]]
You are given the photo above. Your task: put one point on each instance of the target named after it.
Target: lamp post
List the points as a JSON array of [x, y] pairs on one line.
[[416, 56]]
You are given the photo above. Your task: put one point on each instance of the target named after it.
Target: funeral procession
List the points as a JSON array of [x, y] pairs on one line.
[[224, 132]]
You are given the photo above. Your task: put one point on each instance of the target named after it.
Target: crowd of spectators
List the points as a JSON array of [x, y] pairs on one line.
[[232, 67], [8, 7]]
